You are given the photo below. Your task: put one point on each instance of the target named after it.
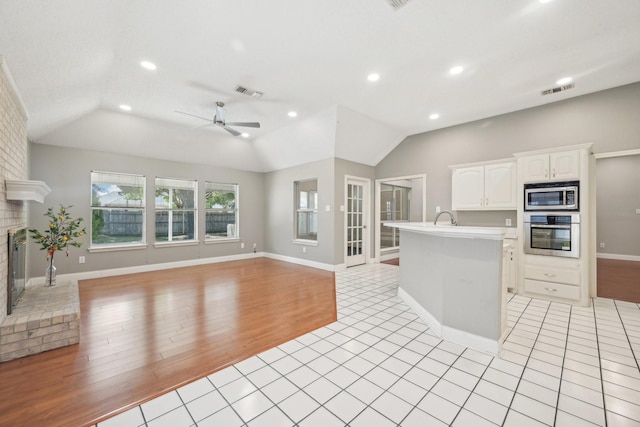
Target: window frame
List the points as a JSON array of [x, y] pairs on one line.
[[166, 182], [122, 178], [312, 210], [236, 209]]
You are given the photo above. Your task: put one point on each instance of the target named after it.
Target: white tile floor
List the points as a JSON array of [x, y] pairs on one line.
[[378, 365]]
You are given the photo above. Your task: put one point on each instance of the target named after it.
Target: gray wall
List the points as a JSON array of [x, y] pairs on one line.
[[618, 197], [67, 172], [608, 119], [278, 211]]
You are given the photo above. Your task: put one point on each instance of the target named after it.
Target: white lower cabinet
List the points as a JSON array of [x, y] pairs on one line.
[[552, 289], [553, 278]]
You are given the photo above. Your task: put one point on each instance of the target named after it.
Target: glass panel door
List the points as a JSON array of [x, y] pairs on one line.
[[355, 226]]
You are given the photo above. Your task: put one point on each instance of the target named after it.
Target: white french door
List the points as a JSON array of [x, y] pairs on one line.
[[356, 215]]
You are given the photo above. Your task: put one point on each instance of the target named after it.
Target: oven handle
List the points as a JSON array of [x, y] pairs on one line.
[[567, 227]]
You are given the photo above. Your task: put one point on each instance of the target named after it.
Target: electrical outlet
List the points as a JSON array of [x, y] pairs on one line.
[[437, 209], [81, 260], [304, 249], [637, 211], [602, 245], [507, 222], [255, 245], [242, 245]]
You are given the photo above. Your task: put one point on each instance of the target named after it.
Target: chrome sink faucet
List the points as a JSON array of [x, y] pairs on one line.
[[453, 220]]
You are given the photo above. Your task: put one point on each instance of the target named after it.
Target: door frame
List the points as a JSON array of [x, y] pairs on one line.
[[377, 197], [366, 213]]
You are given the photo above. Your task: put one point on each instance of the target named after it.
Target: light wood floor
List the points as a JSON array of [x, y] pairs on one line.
[[619, 279], [145, 334]]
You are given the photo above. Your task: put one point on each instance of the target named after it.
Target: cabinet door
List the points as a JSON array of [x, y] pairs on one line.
[[535, 168], [500, 186], [565, 165], [467, 188]]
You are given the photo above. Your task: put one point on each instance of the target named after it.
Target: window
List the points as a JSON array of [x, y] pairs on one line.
[[175, 210], [306, 210], [117, 209], [221, 215]]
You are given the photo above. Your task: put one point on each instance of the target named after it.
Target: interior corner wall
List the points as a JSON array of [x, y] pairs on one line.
[[67, 171], [13, 166], [279, 211], [608, 119], [342, 169]]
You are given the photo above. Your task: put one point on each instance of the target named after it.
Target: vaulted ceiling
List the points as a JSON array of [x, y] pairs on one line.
[[76, 61]]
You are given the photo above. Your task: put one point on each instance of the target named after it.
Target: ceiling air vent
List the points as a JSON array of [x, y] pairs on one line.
[[397, 4], [557, 89], [248, 92]]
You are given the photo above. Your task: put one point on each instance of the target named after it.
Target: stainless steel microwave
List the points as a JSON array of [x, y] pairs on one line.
[[552, 196]]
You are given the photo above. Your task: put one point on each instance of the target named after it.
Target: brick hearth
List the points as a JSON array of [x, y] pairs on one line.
[[45, 318]]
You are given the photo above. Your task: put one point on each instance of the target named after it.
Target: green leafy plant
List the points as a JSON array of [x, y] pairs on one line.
[[61, 233]]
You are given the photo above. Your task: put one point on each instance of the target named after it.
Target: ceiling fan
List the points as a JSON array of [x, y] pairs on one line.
[[219, 120]]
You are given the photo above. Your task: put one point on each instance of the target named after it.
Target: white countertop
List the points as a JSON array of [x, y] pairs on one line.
[[447, 230]]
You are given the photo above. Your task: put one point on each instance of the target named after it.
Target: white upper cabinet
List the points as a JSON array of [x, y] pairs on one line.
[[484, 187], [551, 167], [468, 188]]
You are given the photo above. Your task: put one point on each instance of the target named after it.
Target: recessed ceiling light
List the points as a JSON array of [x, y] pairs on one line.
[[374, 77], [244, 135], [544, 1], [456, 70], [292, 114], [148, 65], [564, 81], [434, 116], [125, 107]]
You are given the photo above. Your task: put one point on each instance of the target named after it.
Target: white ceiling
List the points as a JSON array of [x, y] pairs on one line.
[[75, 61]]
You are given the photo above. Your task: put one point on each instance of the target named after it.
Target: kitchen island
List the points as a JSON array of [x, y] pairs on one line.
[[452, 277]]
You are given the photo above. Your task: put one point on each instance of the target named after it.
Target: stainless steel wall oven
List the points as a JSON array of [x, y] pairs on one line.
[[552, 234]]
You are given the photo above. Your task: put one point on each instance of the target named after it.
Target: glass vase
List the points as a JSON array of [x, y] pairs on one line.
[[50, 274]]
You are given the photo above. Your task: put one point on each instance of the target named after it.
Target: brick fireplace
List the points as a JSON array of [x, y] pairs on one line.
[[13, 166]]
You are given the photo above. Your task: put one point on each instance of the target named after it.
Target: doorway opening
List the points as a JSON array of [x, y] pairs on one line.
[[399, 199]]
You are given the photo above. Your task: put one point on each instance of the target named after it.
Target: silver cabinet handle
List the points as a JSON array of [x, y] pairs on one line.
[[549, 274], [550, 289], [554, 172]]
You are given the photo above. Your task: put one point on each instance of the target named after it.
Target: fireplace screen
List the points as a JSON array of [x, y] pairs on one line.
[[16, 276]]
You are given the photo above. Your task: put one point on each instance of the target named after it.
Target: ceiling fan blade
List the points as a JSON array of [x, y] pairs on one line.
[[193, 115], [231, 131], [245, 124], [204, 126]]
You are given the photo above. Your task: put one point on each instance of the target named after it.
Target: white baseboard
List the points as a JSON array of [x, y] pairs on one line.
[[618, 256], [97, 274], [466, 339], [390, 255], [305, 262]]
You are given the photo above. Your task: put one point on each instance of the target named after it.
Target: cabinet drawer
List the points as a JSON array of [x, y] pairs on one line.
[[550, 274], [552, 289]]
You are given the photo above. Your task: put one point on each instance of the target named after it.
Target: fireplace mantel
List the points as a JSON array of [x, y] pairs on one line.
[[27, 190]]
